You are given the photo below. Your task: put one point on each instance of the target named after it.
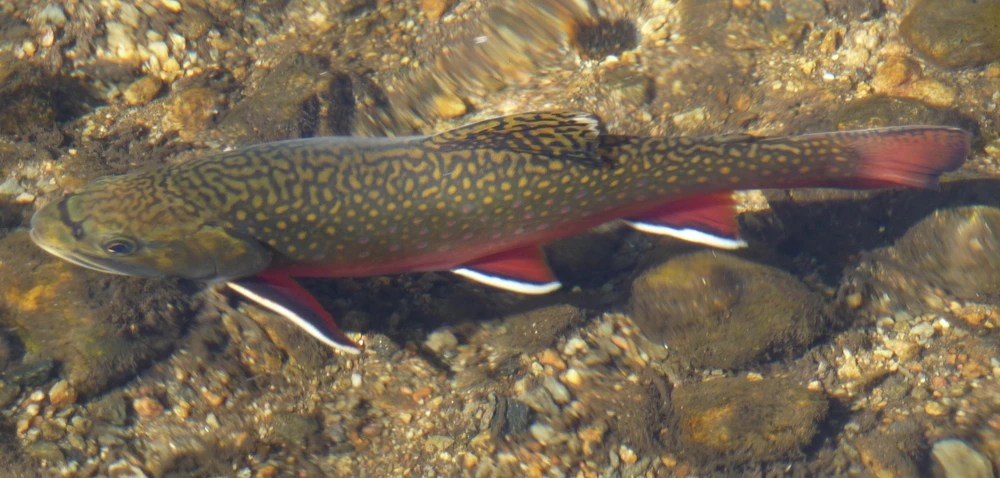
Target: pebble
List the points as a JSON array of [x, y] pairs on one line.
[[935, 409], [572, 378], [433, 9], [627, 455], [120, 40], [558, 391], [849, 369], [143, 90], [551, 357], [543, 433], [52, 14], [37, 396], [147, 407], [923, 331], [172, 5], [62, 394], [356, 380], [854, 301], [441, 340], [574, 345], [213, 399], [958, 460]]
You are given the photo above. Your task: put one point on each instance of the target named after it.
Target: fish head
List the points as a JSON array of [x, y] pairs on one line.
[[122, 226]]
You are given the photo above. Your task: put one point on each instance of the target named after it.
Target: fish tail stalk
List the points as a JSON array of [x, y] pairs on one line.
[[905, 156], [702, 172], [912, 156]]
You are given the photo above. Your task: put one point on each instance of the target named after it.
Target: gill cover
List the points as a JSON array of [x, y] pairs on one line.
[[234, 255]]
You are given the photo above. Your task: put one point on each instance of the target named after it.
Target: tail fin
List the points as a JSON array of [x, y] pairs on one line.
[[909, 156]]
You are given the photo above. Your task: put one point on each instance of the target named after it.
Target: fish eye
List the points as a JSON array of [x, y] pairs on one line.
[[119, 247]]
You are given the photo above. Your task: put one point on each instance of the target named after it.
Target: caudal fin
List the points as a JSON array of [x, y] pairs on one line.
[[908, 156]]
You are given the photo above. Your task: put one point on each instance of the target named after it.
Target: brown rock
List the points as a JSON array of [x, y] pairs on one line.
[[62, 393], [433, 9], [143, 90], [147, 407], [719, 311], [747, 421]]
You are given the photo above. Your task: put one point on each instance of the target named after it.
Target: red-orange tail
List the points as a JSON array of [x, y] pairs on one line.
[[909, 156]]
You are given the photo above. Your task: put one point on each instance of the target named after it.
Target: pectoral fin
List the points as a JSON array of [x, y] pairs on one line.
[[284, 296]]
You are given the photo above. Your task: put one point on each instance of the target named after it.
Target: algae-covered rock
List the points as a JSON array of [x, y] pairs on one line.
[[736, 420], [955, 33], [100, 327], [716, 310], [958, 248], [894, 450]]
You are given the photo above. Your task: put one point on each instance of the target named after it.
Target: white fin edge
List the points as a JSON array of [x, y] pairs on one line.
[[508, 284], [689, 235], [592, 122], [295, 318]]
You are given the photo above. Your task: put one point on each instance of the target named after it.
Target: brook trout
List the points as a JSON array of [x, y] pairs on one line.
[[477, 200]]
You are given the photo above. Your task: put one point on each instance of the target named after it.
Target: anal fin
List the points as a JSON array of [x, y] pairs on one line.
[[283, 295], [708, 220], [522, 270]]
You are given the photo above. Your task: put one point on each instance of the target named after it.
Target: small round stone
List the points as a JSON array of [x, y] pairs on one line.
[[147, 407]]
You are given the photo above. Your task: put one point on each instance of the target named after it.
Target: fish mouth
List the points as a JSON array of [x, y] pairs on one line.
[[81, 259]]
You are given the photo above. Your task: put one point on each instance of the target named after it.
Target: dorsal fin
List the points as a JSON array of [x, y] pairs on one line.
[[559, 135]]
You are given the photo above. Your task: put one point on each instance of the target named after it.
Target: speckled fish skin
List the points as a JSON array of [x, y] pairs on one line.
[[347, 206]]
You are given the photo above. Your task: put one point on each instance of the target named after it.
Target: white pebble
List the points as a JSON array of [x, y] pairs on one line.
[[441, 340], [356, 380], [543, 433], [574, 345]]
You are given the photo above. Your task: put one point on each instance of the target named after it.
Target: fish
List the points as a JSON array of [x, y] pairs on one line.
[[479, 200]]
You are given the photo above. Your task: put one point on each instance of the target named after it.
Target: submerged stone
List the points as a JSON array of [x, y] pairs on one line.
[[738, 421], [100, 328], [954, 458], [719, 311], [891, 451], [955, 33], [958, 248]]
